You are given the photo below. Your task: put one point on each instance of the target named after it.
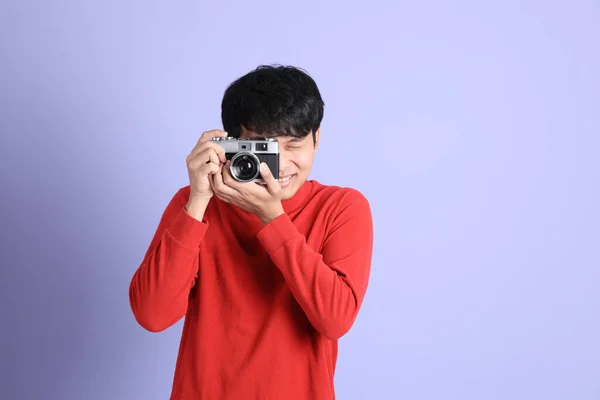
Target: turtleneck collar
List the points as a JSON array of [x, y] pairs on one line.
[[299, 199]]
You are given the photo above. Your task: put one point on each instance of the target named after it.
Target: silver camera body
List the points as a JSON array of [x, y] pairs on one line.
[[245, 156]]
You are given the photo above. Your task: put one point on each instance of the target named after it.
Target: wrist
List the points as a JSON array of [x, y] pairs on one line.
[[271, 214], [196, 207]]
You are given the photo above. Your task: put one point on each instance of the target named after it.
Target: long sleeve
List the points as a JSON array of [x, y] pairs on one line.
[[159, 289], [329, 286]]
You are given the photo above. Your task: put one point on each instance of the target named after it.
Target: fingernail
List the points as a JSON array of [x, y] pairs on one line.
[[263, 166]]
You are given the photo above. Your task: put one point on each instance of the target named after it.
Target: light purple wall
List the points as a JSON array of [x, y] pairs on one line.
[[472, 127]]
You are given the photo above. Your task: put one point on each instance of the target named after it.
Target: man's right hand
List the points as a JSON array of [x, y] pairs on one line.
[[204, 160]]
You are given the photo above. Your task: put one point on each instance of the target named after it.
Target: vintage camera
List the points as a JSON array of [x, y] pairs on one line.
[[246, 155]]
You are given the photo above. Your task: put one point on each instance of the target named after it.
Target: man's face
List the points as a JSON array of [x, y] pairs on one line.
[[295, 160]]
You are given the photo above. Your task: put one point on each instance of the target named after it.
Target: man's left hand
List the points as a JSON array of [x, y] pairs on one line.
[[262, 200]]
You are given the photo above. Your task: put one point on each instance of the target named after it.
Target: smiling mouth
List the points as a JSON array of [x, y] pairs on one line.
[[285, 178]]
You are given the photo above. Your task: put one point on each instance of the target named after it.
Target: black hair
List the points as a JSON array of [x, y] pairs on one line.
[[273, 100]]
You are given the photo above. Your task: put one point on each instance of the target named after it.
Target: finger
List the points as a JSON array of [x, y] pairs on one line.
[[209, 155], [220, 152], [209, 145], [221, 196], [219, 184], [272, 184], [215, 187], [206, 136], [228, 178], [209, 169]]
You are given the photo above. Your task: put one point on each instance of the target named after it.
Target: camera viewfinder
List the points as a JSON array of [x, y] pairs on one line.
[[261, 146]]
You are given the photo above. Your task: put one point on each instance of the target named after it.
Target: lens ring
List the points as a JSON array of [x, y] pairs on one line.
[[244, 166]]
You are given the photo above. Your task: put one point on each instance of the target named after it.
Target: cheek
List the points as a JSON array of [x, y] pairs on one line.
[[301, 160]]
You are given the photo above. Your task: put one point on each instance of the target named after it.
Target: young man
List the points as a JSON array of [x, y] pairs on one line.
[[268, 276]]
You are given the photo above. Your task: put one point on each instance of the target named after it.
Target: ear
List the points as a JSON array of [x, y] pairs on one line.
[[317, 137]]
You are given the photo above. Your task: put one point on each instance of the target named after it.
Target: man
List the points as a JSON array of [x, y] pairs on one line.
[[268, 276]]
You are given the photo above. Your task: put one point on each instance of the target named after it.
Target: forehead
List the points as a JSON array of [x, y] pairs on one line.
[[247, 134]]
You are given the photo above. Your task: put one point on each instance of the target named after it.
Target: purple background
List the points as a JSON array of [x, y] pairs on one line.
[[472, 127]]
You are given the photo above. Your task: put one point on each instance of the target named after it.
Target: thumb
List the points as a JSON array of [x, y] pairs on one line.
[[271, 182]]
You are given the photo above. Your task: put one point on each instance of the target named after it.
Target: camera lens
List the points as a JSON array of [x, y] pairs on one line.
[[244, 167]]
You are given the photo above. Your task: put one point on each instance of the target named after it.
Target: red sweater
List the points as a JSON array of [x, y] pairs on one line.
[[264, 306]]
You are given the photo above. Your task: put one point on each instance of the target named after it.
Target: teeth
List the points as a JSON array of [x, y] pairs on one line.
[[287, 178]]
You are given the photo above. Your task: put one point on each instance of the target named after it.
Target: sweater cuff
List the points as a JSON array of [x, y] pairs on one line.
[[277, 232], [187, 230]]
